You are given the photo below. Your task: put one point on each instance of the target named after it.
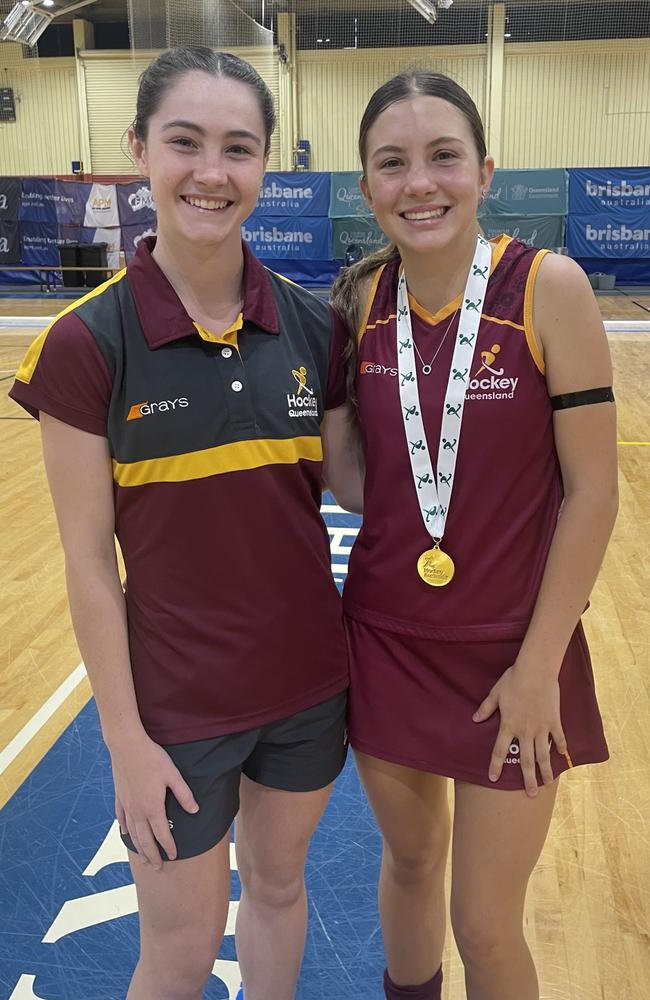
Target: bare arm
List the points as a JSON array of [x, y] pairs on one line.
[[569, 327], [343, 461], [79, 473]]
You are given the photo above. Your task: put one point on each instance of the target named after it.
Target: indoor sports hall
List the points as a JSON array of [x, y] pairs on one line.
[[563, 87]]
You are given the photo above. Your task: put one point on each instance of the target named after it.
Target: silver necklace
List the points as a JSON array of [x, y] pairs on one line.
[[426, 369]]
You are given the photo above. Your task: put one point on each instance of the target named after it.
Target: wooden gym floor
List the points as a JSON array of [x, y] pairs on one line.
[[588, 913]]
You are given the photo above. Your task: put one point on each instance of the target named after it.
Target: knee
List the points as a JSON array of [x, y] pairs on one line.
[[275, 887], [483, 941], [179, 969], [416, 863]]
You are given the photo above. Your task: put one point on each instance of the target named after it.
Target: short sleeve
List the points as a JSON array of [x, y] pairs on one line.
[[336, 383], [64, 374]]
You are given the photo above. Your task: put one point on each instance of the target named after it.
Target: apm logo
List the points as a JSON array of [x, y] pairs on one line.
[[139, 410]]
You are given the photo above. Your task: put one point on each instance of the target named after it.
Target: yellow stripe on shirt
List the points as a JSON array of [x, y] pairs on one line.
[[30, 361], [235, 457]]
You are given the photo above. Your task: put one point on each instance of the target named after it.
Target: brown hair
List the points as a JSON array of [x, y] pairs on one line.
[[411, 83]]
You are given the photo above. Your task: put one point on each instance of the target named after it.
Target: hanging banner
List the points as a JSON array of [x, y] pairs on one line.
[[101, 207], [294, 194], [364, 233], [545, 233], [71, 198], [131, 236], [527, 192], [621, 189], [281, 237], [135, 204], [308, 273], [39, 243], [37, 200], [615, 234], [9, 198], [345, 195], [9, 242]]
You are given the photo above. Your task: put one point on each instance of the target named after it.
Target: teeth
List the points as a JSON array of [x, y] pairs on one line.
[[432, 214], [206, 203]]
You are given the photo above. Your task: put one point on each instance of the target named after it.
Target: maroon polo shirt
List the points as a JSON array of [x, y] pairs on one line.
[[234, 619]]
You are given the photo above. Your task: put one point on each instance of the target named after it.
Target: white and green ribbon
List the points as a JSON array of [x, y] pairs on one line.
[[434, 494]]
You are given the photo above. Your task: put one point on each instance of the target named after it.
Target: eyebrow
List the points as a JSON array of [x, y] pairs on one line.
[[435, 142], [193, 127]]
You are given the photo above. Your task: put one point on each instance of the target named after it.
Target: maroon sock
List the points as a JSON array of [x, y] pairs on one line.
[[431, 990]]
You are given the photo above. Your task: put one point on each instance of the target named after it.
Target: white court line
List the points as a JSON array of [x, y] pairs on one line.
[[38, 720], [40, 322]]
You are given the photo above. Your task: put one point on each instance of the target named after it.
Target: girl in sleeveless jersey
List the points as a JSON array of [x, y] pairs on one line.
[[221, 676], [483, 387]]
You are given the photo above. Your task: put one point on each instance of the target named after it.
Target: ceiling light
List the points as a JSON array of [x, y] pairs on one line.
[[25, 24], [426, 9]]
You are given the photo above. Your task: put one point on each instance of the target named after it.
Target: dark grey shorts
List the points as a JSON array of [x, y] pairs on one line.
[[302, 753]]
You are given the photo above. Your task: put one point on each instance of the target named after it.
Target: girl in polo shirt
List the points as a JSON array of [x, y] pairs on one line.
[[184, 405], [490, 495]]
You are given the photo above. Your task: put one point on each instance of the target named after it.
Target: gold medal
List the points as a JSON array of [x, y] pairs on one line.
[[435, 567]]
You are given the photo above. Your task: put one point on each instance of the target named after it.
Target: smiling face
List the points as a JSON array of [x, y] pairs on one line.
[[204, 153], [423, 177]]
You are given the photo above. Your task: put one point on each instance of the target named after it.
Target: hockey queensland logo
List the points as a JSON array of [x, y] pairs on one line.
[[288, 237], [294, 194], [490, 380], [303, 402]]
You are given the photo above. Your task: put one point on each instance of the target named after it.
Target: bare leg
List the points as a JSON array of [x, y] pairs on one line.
[[272, 834], [412, 812], [183, 911], [498, 837]]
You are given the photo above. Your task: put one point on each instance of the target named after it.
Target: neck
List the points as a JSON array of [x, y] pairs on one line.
[[209, 278], [437, 278]]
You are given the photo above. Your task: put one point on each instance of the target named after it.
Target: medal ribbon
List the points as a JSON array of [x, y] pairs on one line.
[[434, 495]]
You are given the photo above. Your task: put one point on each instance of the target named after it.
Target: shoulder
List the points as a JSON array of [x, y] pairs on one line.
[[561, 274], [563, 296]]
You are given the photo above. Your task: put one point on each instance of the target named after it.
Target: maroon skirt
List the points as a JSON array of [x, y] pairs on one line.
[[411, 702]]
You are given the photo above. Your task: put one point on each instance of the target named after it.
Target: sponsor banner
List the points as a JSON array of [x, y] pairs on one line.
[[280, 237], [615, 234], [39, 243], [527, 192], [101, 207], [362, 232], [9, 242], [131, 236], [345, 195], [37, 200], [593, 192], [294, 194], [626, 272], [9, 198], [544, 232], [70, 198], [135, 204]]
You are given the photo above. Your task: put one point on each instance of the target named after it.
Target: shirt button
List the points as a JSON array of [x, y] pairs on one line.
[[236, 387], [226, 352]]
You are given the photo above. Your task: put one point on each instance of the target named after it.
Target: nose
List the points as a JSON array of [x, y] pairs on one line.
[[211, 170], [420, 180]]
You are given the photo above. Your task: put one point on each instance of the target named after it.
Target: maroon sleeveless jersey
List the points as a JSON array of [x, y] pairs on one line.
[[507, 491]]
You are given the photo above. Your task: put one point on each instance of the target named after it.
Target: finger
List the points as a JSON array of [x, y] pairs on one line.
[[487, 708], [499, 754], [133, 834], [183, 794], [147, 846], [162, 832], [559, 740], [120, 816], [527, 750], [543, 755]]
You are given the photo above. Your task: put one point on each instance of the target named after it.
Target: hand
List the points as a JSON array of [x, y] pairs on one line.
[[142, 772], [529, 705]]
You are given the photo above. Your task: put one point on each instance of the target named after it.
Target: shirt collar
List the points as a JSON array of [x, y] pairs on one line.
[[163, 316]]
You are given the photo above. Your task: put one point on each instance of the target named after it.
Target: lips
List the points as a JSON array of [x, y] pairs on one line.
[[423, 214], [206, 204]]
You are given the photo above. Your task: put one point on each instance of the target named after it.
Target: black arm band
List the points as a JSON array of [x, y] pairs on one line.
[[584, 398]]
